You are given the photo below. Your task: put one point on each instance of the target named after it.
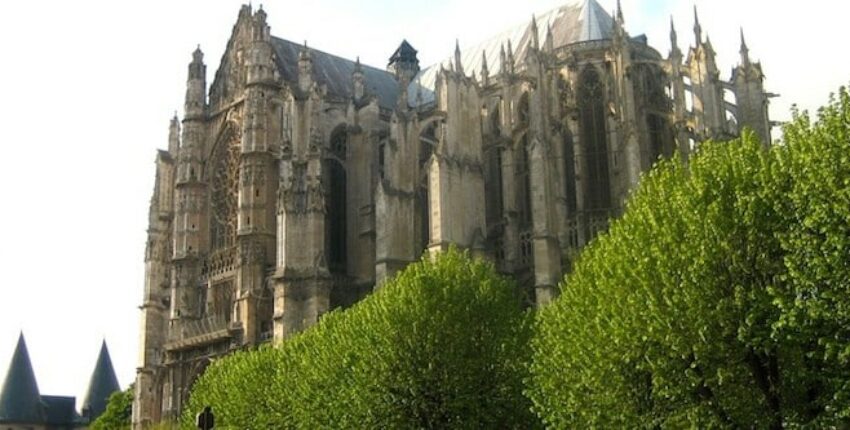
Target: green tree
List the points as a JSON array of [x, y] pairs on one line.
[[719, 299], [118, 412], [441, 345]]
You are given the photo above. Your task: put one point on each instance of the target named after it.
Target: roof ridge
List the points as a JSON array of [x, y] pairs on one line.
[[312, 49]]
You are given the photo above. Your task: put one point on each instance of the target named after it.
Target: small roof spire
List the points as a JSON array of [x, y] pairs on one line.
[[484, 69], [458, 63], [358, 68], [305, 52], [674, 39], [535, 37], [697, 27], [745, 51], [620, 13], [198, 55], [102, 384]]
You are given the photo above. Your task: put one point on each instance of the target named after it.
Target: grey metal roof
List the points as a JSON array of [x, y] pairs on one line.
[[19, 399], [102, 384], [335, 72], [574, 22]]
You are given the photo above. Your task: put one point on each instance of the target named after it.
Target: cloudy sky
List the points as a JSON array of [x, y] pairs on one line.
[[87, 89]]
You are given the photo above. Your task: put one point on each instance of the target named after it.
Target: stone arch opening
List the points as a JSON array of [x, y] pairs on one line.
[[592, 128], [336, 216]]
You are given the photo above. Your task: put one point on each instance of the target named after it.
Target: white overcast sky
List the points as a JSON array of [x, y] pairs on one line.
[[87, 89]]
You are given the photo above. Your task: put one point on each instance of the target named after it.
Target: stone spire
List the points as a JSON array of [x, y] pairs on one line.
[[745, 51], [19, 399], [102, 384], [620, 19], [458, 61], [358, 81], [485, 71], [196, 86], [174, 136], [535, 38], [674, 38], [697, 27], [549, 44]]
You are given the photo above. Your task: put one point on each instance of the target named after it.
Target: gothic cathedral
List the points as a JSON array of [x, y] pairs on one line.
[[299, 180]]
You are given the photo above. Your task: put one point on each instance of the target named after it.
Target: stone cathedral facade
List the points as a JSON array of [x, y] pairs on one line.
[[298, 180]]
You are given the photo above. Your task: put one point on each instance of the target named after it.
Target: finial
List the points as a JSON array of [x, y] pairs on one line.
[[535, 41], [458, 64], [673, 36], [745, 51], [620, 13], [697, 26], [484, 67]]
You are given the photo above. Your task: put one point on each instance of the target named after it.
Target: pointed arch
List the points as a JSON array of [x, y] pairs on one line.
[[592, 128], [336, 215]]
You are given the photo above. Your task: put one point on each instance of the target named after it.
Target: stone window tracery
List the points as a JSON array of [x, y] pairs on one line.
[[336, 216], [591, 106], [224, 190]]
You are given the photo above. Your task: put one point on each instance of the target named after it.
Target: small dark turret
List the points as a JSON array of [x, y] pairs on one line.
[[102, 384], [20, 401], [404, 63]]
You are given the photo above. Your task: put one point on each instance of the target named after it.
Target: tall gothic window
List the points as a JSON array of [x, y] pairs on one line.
[[591, 105], [223, 175], [335, 216], [570, 173], [427, 142], [523, 185], [493, 184]]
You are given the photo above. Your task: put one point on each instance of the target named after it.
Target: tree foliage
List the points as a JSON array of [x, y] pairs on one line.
[[442, 345], [118, 413], [720, 299]]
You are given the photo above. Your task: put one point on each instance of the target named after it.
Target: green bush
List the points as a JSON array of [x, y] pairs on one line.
[[442, 345], [118, 413], [720, 299]]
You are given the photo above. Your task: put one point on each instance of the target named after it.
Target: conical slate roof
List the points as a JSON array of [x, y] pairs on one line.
[[20, 401], [102, 384]]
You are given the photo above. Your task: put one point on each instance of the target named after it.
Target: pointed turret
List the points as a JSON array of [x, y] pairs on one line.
[[697, 27], [174, 136], [674, 38], [511, 61], [196, 85], [20, 401], [745, 51], [458, 61], [485, 71], [619, 13], [549, 44], [305, 68], [358, 80], [102, 384], [535, 40]]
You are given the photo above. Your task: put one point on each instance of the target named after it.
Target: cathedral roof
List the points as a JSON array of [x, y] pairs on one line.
[[574, 22], [20, 401], [335, 72], [102, 384]]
